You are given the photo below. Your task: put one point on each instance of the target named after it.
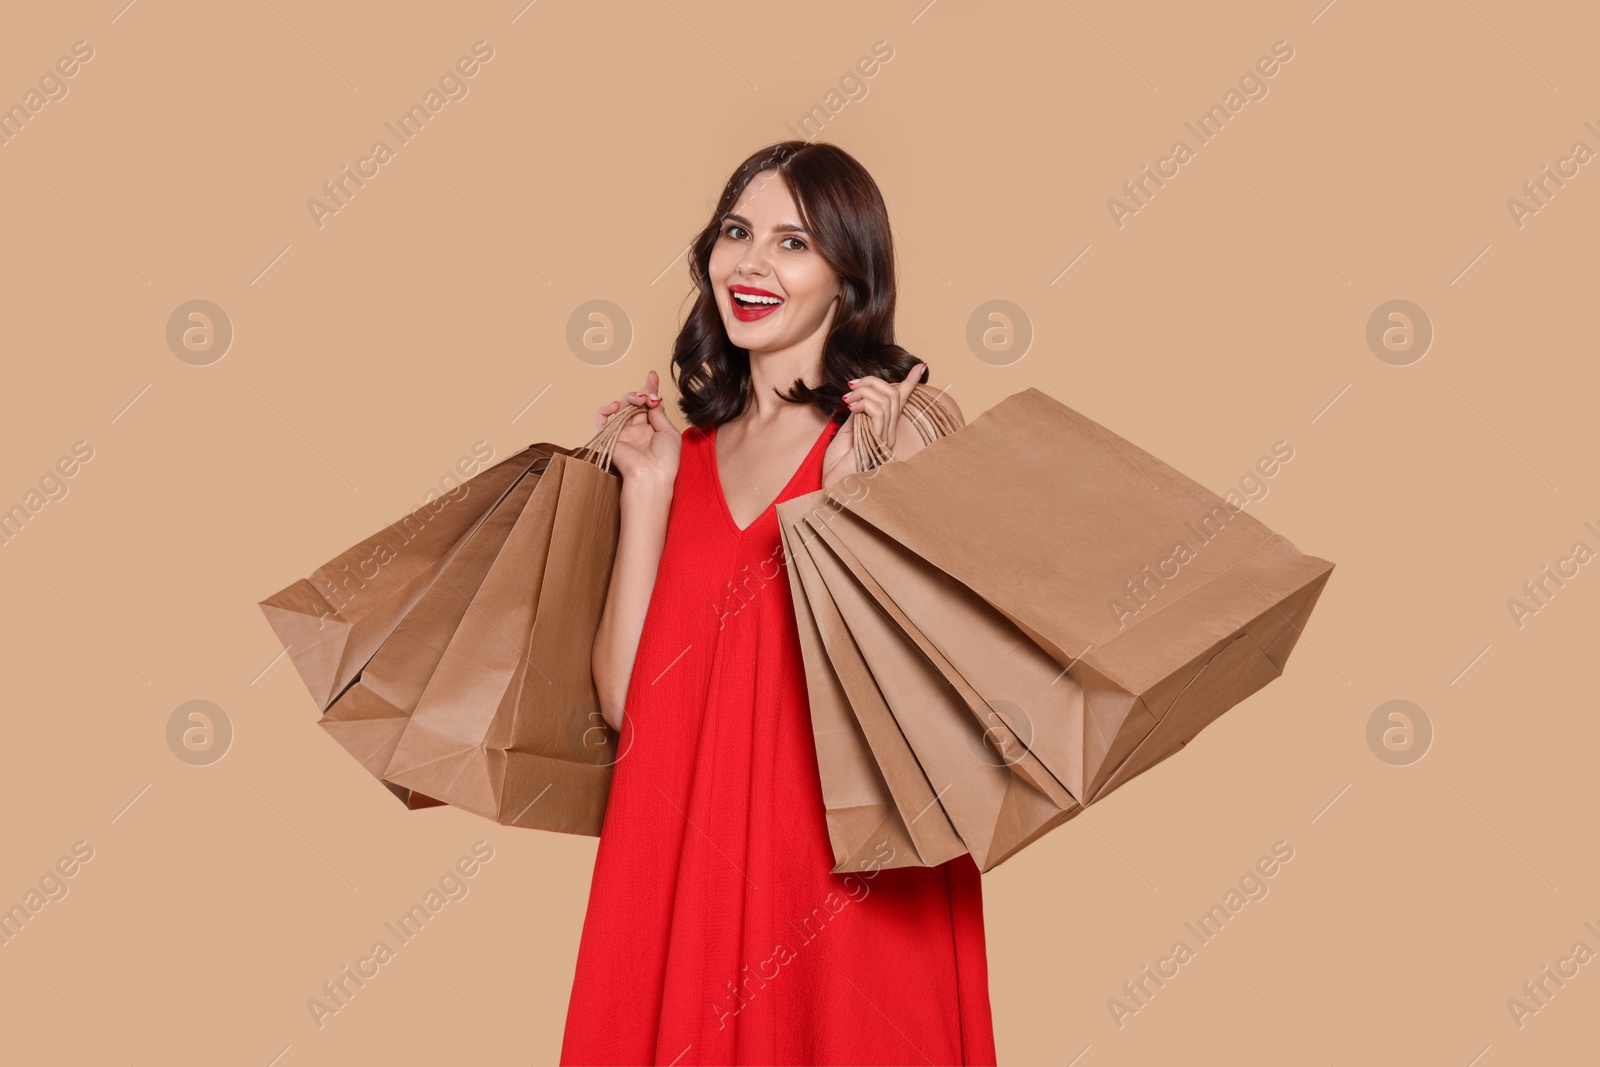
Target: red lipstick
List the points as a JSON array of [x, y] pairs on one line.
[[750, 311]]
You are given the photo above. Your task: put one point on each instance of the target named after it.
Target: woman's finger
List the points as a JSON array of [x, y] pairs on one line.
[[636, 401], [876, 408], [881, 411], [882, 402], [904, 388], [864, 388], [659, 422]]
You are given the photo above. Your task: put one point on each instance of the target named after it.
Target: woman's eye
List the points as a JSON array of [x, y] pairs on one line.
[[738, 233]]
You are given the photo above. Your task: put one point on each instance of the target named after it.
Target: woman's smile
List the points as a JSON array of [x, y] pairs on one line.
[[749, 303]]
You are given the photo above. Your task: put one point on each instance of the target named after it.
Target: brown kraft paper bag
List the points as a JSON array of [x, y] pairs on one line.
[[976, 757], [368, 718], [476, 589], [509, 726], [1093, 607], [873, 788], [333, 621]]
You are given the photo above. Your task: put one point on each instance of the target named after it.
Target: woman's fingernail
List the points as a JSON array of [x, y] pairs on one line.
[[655, 396], [852, 382]]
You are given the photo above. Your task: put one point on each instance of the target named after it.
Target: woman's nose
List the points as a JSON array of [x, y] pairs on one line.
[[753, 263]]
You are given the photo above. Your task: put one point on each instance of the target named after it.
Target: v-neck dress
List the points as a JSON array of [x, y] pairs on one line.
[[716, 932]]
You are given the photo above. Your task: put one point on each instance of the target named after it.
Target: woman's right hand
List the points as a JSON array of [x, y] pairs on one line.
[[648, 448]]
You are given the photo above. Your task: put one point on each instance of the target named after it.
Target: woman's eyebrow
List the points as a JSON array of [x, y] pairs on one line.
[[784, 227]]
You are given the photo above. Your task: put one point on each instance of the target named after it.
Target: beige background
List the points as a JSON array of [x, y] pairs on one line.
[[431, 312]]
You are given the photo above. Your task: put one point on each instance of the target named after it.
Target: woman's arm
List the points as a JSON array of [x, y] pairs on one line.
[[645, 453], [645, 503]]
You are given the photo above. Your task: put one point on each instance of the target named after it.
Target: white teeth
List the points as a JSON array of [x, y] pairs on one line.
[[748, 298]]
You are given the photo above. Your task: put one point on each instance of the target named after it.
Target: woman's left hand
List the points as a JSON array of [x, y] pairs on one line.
[[882, 402]]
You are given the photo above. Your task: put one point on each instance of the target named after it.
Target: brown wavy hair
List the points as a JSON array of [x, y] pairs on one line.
[[844, 214]]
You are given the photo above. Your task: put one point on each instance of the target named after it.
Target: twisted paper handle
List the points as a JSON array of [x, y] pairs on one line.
[[599, 447], [929, 417]]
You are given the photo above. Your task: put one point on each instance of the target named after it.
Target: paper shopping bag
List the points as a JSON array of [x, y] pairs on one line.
[[1166, 603], [334, 620], [884, 782], [509, 726], [1007, 682], [935, 743], [1092, 605], [368, 718], [860, 750], [370, 714]]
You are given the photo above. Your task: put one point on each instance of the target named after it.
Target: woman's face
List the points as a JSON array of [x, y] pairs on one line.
[[764, 252]]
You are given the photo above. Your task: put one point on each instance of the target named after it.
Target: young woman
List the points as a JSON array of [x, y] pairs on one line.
[[716, 931]]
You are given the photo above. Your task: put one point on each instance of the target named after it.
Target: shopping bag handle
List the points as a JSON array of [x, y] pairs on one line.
[[599, 447], [925, 413]]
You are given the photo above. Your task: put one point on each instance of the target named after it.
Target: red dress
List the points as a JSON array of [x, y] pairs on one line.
[[716, 932]]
